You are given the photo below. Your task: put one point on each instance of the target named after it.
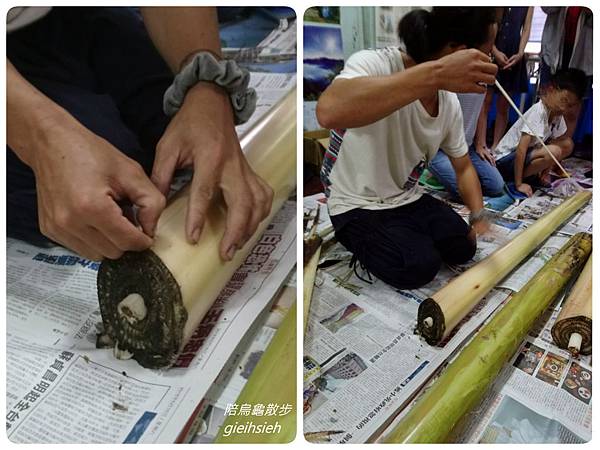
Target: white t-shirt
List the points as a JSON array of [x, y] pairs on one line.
[[537, 117], [375, 161]]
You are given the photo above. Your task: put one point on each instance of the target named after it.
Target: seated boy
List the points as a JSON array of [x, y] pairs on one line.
[[519, 154]]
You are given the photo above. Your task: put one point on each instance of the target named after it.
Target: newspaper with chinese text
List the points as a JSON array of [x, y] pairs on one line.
[[364, 365], [60, 388]]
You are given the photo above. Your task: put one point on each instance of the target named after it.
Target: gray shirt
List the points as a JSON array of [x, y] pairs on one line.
[[553, 40]]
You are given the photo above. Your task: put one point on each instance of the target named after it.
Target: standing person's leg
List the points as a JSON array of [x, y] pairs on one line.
[[491, 181], [389, 245], [481, 133], [449, 232], [501, 120]]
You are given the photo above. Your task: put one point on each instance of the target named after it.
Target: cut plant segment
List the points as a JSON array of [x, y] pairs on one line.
[[439, 314], [152, 301], [273, 382], [462, 385]]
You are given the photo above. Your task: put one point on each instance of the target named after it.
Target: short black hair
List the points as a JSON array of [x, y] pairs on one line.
[[425, 33], [572, 80]]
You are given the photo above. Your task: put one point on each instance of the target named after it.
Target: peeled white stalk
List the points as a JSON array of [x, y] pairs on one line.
[[440, 314], [177, 281], [573, 327]]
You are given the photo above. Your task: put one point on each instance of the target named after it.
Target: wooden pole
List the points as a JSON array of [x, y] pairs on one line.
[[152, 301], [462, 385], [573, 327], [438, 315]]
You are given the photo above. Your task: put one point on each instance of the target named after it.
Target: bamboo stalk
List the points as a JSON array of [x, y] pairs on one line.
[[438, 315], [573, 327], [174, 282], [310, 272], [462, 385], [273, 381]]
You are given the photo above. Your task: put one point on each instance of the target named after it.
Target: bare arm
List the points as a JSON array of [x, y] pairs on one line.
[[468, 182], [469, 188], [29, 115], [525, 32], [179, 31], [202, 134], [351, 103], [79, 177]]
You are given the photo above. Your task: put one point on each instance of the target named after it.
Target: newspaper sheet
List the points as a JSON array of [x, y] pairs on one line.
[[543, 395], [534, 207], [60, 388], [526, 270], [362, 363], [270, 88], [362, 360], [278, 45]]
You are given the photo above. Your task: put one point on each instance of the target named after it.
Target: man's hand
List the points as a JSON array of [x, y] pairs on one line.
[[525, 189], [477, 229], [466, 71], [486, 154], [202, 136], [80, 177]]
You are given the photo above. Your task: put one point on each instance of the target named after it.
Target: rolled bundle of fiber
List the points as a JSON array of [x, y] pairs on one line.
[[573, 327]]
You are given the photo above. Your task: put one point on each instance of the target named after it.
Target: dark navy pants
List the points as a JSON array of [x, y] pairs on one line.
[[405, 246], [100, 65]]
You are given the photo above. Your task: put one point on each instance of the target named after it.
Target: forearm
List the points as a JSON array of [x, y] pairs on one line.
[[178, 32], [469, 187], [519, 164], [356, 102], [30, 115]]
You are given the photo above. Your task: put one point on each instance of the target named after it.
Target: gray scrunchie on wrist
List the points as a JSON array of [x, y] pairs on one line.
[[225, 73]]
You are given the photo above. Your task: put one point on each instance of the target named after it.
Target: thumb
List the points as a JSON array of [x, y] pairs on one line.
[[162, 171], [149, 200]]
